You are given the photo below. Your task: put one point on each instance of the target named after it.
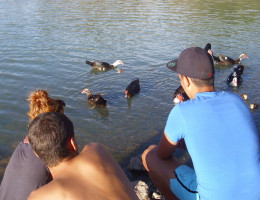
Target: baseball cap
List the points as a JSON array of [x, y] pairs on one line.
[[193, 62]]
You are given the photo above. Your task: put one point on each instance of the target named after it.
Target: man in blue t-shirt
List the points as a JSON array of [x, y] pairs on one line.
[[220, 136]]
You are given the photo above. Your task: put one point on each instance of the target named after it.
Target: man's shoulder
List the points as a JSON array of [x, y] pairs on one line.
[[94, 149], [53, 190]]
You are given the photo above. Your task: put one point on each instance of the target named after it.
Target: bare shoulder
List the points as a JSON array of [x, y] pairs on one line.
[[95, 151], [53, 190], [94, 147]]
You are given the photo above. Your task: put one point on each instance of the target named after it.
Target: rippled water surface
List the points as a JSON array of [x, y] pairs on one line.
[[44, 45]]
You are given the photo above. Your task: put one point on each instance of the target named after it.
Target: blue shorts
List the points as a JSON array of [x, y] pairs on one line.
[[185, 184]]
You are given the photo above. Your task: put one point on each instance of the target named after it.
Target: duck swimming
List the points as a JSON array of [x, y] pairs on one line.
[[244, 96], [253, 106], [96, 99], [180, 95], [132, 89], [234, 79], [229, 61], [104, 66], [223, 60]]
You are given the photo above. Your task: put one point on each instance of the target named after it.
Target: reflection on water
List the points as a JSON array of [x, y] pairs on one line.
[[44, 45]]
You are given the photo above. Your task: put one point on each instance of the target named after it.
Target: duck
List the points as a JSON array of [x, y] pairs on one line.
[[240, 69], [96, 99], [104, 66], [229, 61], [234, 79], [132, 89], [180, 95], [244, 96], [253, 106]]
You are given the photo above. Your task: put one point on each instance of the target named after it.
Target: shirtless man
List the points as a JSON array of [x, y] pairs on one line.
[[90, 174]]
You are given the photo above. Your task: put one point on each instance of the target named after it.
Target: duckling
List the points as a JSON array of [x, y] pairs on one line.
[[132, 89], [253, 106], [96, 99], [104, 66], [244, 96]]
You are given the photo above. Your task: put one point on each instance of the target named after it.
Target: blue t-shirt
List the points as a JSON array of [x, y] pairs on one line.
[[223, 142]]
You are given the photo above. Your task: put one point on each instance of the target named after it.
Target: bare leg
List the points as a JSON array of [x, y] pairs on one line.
[[160, 171]]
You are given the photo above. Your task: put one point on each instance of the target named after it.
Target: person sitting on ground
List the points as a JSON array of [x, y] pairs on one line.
[[90, 174], [220, 135], [25, 172]]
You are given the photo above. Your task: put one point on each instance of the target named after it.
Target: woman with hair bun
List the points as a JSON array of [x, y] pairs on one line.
[[26, 172]]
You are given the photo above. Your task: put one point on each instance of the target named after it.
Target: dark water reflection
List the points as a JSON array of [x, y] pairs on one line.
[[44, 45]]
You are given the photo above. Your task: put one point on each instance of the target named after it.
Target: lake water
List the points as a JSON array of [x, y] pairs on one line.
[[44, 45]]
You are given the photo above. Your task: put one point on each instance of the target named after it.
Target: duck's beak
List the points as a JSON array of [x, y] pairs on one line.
[[126, 93]]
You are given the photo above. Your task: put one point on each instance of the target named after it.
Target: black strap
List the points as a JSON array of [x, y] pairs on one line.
[[183, 184]]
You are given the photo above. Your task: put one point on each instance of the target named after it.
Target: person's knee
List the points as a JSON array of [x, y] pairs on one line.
[[147, 156]]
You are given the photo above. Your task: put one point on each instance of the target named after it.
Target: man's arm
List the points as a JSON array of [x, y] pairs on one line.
[[166, 148]]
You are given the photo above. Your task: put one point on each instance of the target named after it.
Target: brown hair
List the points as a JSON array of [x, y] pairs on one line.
[[40, 102], [203, 82], [49, 134]]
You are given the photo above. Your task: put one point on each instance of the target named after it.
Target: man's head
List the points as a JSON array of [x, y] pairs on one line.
[[50, 135], [196, 66], [193, 62]]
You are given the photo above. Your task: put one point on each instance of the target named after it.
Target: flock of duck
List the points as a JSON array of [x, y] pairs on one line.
[[96, 99], [234, 79]]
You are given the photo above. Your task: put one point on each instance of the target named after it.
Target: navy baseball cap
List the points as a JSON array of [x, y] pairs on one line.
[[193, 62]]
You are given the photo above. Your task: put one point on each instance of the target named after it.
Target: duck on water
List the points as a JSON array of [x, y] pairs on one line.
[[222, 59], [104, 66], [94, 99]]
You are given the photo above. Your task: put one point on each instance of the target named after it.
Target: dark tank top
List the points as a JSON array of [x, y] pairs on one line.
[[24, 173]]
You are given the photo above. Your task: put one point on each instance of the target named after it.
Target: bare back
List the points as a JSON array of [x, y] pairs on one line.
[[93, 174]]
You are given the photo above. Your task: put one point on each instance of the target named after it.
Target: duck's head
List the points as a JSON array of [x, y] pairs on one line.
[[86, 91], [243, 56], [178, 99], [127, 94], [118, 62]]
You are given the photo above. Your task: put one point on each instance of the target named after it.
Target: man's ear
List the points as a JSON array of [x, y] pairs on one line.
[[72, 144], [186, 81]]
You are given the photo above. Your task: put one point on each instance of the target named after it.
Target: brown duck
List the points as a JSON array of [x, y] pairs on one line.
[[96, 99], [230, 61]]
